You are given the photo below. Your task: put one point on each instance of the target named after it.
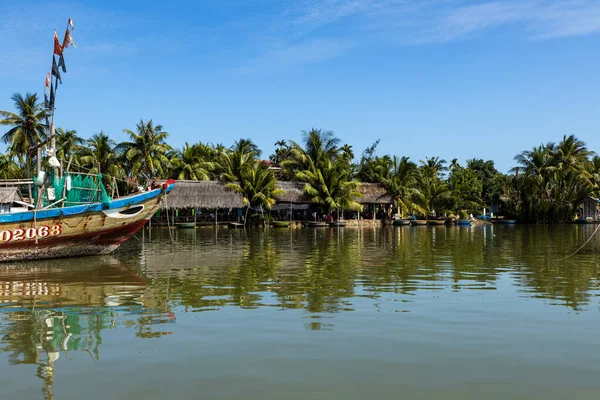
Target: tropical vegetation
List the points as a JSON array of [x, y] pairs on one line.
[[548, 183]]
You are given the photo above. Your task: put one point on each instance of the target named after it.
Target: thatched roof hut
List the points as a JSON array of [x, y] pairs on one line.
[[202, 194], [293, 192], [373, 193], [9, 194], [214, 194]]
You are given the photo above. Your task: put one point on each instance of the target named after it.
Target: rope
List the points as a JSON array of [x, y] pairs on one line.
[[582, 246], [168, 223]]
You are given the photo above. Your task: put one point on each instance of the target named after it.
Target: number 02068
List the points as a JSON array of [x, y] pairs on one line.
[[30, 233]]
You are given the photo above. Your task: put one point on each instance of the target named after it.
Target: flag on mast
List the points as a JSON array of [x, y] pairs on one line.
[[61, 63], [55, 70], [71, 23], [58, 50], [68, 40]]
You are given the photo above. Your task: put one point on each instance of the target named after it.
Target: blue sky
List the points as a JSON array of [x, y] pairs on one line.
[[449, 78]]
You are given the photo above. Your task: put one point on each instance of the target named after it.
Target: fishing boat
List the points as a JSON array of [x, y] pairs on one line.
[[508, 222], [66, 213], [235, 225], [401, 222], [280, 224], [337, 224], [464, 222], [418, 222], [63, 229], [317, 224], [436, 222], [186, 225]]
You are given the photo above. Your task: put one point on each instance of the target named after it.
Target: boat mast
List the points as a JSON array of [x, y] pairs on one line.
[[49, 103]]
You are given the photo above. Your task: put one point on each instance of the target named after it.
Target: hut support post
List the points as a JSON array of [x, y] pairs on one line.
[[216, 217]]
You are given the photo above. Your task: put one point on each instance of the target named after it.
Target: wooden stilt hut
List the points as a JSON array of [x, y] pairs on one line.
[[210, 196]]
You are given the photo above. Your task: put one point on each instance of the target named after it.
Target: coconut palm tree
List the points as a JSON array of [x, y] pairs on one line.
[[400, 181], [147, 150], [232, 164], [330, 185], [257, 187], [247, 146], [319, 147], [8, 168], [68, 143], [99, 157], [28, 127], [190, 163]]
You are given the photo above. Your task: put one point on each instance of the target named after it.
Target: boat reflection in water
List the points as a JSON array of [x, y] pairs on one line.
[[49, 310]]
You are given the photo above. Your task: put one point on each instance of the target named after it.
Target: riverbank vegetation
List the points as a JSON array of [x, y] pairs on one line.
[[548, 183]]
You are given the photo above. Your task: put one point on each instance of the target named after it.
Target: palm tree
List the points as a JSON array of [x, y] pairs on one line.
[[282, 152], [67, 143], [147, 150], [190, 163], [247, 146], [99, 157], [8, 168], [232, 164], [433, 167], [454, 164], [330, 185], [400, 180], [319, 147], [257, 187], [27, 129]]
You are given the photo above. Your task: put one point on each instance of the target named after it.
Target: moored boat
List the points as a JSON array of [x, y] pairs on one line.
[[186, 225], [67, 213], [280, 224], [418, 222], [337, 224], [95, 228], [401, 222], [436, 222], [508, 222], [317, 224], [235, 225], [464, 222]]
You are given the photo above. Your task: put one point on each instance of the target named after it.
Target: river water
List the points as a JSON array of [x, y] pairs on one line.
[[492, 312]]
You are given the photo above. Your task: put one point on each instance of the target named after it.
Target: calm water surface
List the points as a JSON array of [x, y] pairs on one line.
[[489, 312]]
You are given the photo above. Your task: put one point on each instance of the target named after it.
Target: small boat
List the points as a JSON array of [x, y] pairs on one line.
[[508, 221], [337, 224], [317, 224], [185, 225], [280, 224], [235, 225], [401, 222], [464, 222], [436, 222], [418, 222], [588, 220]]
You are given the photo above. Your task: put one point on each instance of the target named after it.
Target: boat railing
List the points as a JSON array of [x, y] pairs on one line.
[[15, 182]]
